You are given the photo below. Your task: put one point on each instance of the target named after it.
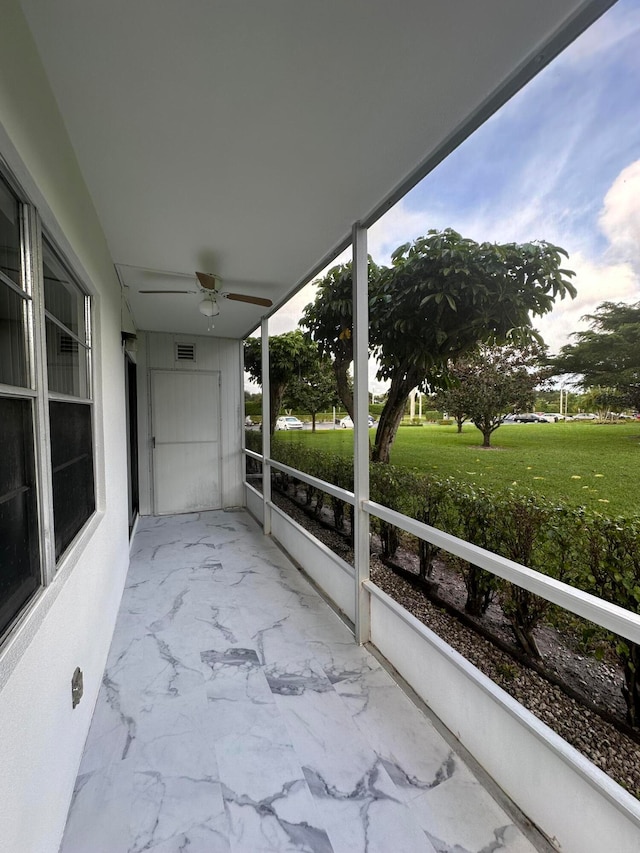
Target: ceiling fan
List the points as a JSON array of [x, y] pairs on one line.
[[210, 287]]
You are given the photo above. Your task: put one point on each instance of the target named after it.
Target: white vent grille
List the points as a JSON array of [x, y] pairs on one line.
[[68, 344], [185, 352]]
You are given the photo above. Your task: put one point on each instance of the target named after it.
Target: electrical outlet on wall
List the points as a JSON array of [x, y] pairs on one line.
[[77, 687]]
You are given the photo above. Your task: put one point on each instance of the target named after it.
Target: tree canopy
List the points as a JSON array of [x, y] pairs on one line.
[[290, 355], [606, 356], [442, 296]]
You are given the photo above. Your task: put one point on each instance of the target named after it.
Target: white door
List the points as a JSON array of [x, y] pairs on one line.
[[186, 441]]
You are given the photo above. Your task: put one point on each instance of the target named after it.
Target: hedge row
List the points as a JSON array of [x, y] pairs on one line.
[[586, 549]]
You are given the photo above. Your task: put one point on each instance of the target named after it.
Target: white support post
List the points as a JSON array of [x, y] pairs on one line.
[[243, 415], [361, 430], [266, 431]]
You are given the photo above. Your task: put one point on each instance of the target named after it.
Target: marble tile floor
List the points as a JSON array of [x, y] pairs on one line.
[[237, 714]]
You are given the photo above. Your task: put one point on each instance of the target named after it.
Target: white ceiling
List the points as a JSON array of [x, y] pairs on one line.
[[244, 137]]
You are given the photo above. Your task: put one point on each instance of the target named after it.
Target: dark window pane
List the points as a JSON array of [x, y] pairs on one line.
[[9, 234], [19, 546], [13, 354], [72, 464], [62, 298], [66, 362], [131, 378]]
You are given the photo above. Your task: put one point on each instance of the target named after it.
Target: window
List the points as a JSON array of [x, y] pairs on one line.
[[72, 467], [19, 539], [66, 309], [68, 372], [37, 506]]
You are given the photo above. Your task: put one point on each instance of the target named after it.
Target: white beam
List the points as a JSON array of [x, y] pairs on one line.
[[266, 431], [361, 428]]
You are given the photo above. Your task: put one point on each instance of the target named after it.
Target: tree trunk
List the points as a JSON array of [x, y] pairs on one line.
[[426, 555], [388, 539], [526, 641], [276, 396], [486, 438], [313, 421], [631, 687], [524, 611], [480, 586], [392, 414], [341, 370]]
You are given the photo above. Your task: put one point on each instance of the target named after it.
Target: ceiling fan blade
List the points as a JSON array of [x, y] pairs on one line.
[[207, 280], [167, 291], [254, 300]]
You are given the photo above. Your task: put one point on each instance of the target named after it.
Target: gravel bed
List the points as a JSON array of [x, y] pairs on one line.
[[607, 747]]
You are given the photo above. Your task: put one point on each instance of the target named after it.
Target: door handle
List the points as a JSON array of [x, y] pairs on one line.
[[153, 440]]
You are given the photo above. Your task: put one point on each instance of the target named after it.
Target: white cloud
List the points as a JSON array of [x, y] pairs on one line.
[[397, 226], [620, 216], [595, 282], [615, 277]]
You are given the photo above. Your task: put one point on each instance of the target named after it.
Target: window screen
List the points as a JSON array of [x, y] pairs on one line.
[[72, 464], [13, 350], [65, 309], [19, 542], [10, 246]]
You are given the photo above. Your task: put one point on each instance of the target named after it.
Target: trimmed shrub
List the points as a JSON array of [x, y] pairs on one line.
[[476, 517]]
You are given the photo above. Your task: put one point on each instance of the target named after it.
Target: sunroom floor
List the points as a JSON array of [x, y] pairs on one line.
[[237, 714]]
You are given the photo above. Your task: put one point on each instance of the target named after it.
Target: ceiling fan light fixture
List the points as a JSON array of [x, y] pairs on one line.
[[209, 307]]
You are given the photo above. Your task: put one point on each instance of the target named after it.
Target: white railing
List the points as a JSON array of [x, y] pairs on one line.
[[321, 485], [610, 616]]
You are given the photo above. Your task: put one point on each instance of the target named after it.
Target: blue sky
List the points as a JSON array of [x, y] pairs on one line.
[[559, 162]]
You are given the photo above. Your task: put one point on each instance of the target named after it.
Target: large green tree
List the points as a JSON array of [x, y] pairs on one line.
[[442, 296], [291, 355], [491, 382], [313, 392], [608, 354]]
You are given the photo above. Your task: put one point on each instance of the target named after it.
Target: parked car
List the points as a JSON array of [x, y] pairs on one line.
[[288, 422], [549, 417], [585, 416], [347, 423], [525, 418]]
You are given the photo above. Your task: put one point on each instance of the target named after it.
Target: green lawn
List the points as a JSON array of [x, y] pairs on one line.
[[590, 464]]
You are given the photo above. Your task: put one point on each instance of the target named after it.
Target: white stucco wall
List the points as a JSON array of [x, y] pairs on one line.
[[71, 622], [570, 799], [156, 351]]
